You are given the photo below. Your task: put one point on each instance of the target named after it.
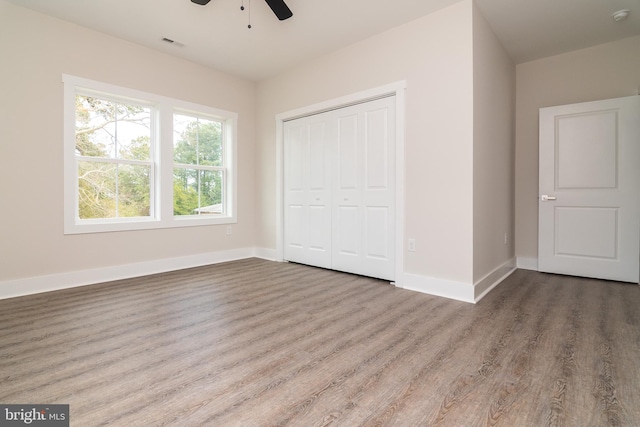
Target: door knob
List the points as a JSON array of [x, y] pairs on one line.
[[546, 198]]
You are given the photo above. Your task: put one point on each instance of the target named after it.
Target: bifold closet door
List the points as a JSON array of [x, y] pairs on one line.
[[339, 189], [363, 189], [307, 195]]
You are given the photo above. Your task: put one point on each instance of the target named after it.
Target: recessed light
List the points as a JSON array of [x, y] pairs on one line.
[[620, 15]]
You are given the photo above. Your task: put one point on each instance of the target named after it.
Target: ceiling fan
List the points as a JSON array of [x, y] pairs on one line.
[[279, 7]]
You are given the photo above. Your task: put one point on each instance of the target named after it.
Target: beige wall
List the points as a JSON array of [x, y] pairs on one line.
[[434, 56], [457, 151], [35, 51], [493, 150], [605, 71], [458, 141]]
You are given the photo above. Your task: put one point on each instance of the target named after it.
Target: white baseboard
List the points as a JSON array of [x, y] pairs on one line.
[[493, 279], [528, 263], [54, 282], [429, 285], [439, 287], [466, 292], [265, 253]]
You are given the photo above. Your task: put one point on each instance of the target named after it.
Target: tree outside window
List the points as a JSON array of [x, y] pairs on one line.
[[198, 174], [114, 159]]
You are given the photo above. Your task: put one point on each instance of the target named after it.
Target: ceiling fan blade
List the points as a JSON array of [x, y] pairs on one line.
[[280, 8], [201, 2]]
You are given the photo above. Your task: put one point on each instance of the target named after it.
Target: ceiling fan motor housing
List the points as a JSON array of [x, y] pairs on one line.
[[279, 7]]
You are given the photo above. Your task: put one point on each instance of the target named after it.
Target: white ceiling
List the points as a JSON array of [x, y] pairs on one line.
[[217, 35]]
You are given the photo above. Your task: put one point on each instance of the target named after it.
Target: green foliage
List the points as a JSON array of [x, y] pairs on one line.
[[184, 199], [106, 189], [134, 190], [96, 190], [112, 136], [199, 144]]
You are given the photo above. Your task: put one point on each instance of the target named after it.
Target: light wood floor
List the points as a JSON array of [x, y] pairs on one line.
[[256, 343]]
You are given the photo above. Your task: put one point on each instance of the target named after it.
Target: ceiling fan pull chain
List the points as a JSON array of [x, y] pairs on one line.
[[249, 7]]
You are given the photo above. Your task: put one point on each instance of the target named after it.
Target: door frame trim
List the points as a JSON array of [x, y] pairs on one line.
[[396, 89]]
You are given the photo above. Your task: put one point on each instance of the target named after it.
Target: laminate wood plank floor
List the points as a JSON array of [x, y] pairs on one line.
[[258, 343]]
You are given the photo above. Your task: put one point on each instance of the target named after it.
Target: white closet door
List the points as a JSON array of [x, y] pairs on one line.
[[363, 189], [340, 189], [307, 194]]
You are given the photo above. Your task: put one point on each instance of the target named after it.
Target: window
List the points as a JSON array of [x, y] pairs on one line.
[[113, 154], [135, 160], [198, 172]]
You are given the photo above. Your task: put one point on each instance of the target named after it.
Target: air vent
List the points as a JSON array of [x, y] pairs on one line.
[[173, 42]]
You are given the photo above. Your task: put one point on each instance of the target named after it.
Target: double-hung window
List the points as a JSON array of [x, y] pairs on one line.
[[198, 165], [114, 154], [135, 160]]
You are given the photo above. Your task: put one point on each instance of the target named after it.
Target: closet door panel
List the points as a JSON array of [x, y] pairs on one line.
[[347, 184], [347, 146], [294, 211], [295, 228], [376, 146], [377, 233], [319, 192], [307, 192], [378, 192], [349, 235]]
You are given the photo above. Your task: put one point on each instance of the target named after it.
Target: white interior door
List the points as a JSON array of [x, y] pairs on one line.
[[364, 189], [307, 195], [339, 184], [589, 205]]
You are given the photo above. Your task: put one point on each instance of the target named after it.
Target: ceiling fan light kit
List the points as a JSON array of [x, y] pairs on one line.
[[279, 8]]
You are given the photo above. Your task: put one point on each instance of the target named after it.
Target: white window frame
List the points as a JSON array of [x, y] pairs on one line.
[[161, 211]]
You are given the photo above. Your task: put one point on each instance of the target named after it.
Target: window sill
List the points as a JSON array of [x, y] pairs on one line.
[[87, 227]]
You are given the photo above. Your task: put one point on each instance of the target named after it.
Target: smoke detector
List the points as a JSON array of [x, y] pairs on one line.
[[620, 15]]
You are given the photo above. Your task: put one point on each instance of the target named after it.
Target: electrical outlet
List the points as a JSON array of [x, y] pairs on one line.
[[229, 230], [505, 238], [411, 243]]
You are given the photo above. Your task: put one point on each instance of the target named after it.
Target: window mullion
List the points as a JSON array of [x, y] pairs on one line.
[[117, 195], [116, 155], [114, 161], [199, 167], [153, 153], [165, 162]]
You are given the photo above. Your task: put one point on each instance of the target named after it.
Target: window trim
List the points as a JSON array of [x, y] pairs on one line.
[[162, 158]]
